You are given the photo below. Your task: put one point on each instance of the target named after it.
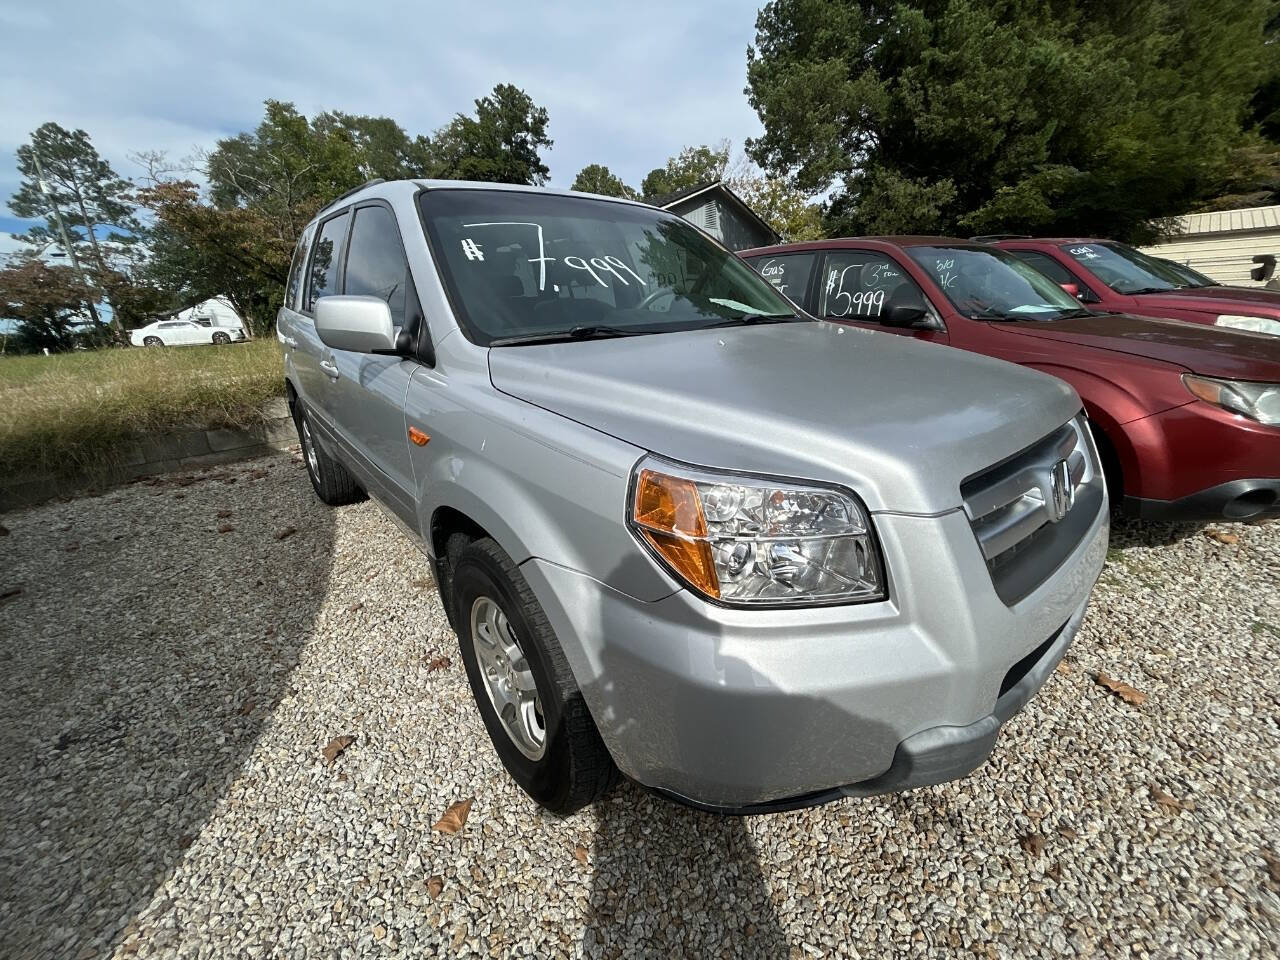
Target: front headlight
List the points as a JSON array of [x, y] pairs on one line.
[[757, 542], [1257, 401], [1256, 324]]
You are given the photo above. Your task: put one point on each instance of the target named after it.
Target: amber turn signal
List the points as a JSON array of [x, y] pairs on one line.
[[418, 437], [668, 512]]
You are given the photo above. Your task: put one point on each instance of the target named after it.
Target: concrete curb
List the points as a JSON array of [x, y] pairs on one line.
[[164, 453]]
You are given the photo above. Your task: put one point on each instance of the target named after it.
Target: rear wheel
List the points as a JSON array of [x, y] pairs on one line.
[[221, 338], [331, 481], [530, 703], [152, 342]]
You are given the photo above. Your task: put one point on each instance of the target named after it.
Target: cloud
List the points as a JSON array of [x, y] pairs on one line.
[[625, 86]]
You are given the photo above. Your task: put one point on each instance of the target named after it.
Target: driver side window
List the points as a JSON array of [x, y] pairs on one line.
[[859, 284]]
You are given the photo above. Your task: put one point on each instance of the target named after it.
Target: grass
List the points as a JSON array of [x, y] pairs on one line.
[[77, 413]]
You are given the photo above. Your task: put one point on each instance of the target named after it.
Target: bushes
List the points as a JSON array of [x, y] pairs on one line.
[[77, 412]]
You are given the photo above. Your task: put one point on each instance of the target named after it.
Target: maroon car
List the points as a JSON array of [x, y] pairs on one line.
[[1187, 417], [1115, 277]]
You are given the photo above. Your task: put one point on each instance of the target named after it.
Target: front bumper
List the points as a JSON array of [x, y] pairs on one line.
[[1234, 500], [756, 710]]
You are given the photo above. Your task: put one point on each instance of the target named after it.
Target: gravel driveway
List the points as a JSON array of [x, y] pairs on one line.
[[177, 660]]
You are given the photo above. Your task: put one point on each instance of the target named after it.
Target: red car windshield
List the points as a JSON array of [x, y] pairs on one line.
[[985, 283], [1124, 269]]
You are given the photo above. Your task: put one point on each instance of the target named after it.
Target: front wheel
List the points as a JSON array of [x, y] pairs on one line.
[[152, 342], [530, 703], [221, 338]]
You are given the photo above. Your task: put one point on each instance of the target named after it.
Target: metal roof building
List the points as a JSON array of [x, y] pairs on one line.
[[722, 213], [1223, 243]]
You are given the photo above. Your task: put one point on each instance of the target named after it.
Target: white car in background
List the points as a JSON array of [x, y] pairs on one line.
[[180, 333]]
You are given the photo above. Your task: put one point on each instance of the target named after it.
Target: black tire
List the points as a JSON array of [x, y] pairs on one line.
[[331, 481], [576, 768], [221, 338], [152, 342]]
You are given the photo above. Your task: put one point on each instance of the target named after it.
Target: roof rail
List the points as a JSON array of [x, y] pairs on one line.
[[993, 237], [354, 190]]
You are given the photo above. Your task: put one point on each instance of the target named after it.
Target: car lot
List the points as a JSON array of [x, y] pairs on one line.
[[181, 651]]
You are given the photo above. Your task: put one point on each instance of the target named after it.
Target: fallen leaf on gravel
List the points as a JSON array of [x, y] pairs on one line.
[[455, 818], [379, 932], [1054, 872], [72, 547], [1033, 843], [580, 852], [8, 592], [1062, 667], [435, 885], [223, 513], [246, 708], [286, 533], [420, 583], [1122, 690], [438, 663], [1068, 833], [1273, 864], [336, 746], [1222, 536], [228, 479], [225, 528], [257, 474], [1169, 801]]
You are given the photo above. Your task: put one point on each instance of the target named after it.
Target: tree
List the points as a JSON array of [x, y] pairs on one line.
[[690, 167], [780, 205], [499, 145], [96, 203], [1072, 116], [47, 303], [199, 251], [597, 178]]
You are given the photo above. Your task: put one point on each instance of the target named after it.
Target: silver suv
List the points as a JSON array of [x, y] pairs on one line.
[[750, 559]]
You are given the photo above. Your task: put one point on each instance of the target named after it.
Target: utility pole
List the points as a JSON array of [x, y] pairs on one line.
[[62, 229]]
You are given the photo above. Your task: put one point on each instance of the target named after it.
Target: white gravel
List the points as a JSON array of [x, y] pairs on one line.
[[166, 691]]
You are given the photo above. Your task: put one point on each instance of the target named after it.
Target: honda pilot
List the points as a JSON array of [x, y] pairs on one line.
[[683, 530]]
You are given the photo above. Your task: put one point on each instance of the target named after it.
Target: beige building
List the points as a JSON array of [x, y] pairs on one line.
[[1223, 243]]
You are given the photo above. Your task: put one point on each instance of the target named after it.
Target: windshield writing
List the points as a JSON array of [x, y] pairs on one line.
[[521, 265]]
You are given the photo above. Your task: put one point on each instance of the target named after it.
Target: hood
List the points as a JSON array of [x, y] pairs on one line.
[[1196, 347], [899, 421], [1249, 301]]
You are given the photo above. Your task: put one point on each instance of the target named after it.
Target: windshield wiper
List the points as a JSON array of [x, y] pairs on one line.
[[587, 332], [747, 319], [1141, 290]]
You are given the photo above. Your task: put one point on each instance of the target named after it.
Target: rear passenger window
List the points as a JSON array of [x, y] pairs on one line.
[[323, 277], [788, 274], [376, 265], [295, 271], [859, 284]]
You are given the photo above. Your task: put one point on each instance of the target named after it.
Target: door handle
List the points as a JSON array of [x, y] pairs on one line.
[[329, 367]]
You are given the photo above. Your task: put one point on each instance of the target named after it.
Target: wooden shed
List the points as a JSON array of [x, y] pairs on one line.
[[1223, 243]]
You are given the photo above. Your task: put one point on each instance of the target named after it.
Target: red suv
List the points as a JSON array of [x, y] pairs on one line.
[[1116, 278], [1187, 417]]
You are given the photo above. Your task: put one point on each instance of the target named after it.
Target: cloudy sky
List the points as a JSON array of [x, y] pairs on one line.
[[625, 84]]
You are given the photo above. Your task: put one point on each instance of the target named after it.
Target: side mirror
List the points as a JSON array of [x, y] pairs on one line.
[[1071, 288], [906, 313], [358, 324]]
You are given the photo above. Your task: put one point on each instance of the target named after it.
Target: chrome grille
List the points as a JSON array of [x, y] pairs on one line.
[[1017, 503]]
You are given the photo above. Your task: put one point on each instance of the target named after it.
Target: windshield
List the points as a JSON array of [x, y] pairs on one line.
[[1190, 276], [1124, 269], [988, 284], [528, 266]]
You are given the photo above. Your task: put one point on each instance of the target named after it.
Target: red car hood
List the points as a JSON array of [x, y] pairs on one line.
[[1211, 351], [1250, 301]]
